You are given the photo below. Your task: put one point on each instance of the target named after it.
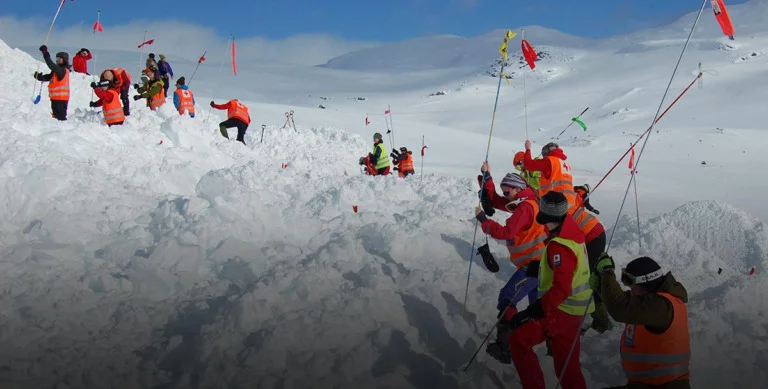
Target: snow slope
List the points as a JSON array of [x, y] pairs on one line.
[[204, 263]]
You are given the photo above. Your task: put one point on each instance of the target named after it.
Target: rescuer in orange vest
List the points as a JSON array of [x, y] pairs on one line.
[[152, 90], [120, 81], [403, 161], [525, 241], [556, 174], [655, 344], [183, 98], [58, 87], [237, 116], [109, 100]]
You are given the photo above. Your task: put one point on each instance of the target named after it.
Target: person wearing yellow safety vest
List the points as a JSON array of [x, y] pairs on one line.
[[532, 178], [556, 174], [152, 90], [379, 157], [655, 344], [564, 297]]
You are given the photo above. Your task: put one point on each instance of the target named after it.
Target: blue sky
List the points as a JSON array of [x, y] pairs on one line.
[[372, 20]]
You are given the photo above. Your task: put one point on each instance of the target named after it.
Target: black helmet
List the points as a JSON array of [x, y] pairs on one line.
[[403, 150]]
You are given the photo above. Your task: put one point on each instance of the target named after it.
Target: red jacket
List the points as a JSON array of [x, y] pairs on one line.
[[80, 63], [563, 273], [104, 97], [542, 165], [222, 106], [522, 218]]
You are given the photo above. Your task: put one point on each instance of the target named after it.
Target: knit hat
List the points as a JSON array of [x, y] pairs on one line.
[[377, 136], [64, 56], [514, 180], [645, 272], [162, 56], [548, 148], [180, 81], [553, 207], [403, 150], [151, 55]]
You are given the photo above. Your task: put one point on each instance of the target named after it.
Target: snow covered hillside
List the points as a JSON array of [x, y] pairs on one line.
[[202, 263]]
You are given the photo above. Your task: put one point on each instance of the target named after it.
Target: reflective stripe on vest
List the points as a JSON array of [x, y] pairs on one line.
[[585, 220], [113, 111], [560, 180], [656, 359], [581, 293], [58, 90], [185, 101], [528, 245], [383, 160], [238, 110], [407, 165]]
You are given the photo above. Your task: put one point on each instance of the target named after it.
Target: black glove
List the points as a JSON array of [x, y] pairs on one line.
[[136, 97], [211, 103], [94, 85], [396, 169], [37, 74], [485, 202], [92, 104], [533, 269], [43, 49], [362, 161], [136, 86], [533, 311]]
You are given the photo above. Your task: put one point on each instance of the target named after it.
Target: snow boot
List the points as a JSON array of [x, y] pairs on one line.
[[601, 320], [499, 349]]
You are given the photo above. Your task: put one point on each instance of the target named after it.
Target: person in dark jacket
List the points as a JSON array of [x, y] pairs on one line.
[[58, 88], [656, 323], [80, 61], [166, 73]]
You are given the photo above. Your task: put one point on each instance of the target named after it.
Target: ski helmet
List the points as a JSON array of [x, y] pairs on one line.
[[548, 148], [518, 158]]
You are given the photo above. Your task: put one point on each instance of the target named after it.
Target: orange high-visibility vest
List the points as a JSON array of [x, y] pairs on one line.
[[654, 359], [405, 166], [583, 217], [238, 110], [121, 77], [113, 111], [528, 245], [185, 101], [560, 180], [58, 90], [157, 100]]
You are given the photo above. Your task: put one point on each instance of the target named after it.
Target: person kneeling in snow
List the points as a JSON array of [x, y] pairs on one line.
[[183, 99], [109, 100], [525, 242], [655, 344], [237, 116], [403, 161], [152, 90]]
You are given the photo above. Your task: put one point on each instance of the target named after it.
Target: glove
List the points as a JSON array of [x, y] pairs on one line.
[[94, 85], [92, 104], [532, 271], [43, 49], [594, 282], [136, 97], [485, 202], [36, 75], [136, 86], [533, 311], [396, 169], [211, 103], [605, 262]]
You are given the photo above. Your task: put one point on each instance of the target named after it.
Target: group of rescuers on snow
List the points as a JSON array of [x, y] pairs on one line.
[[557, 244], [115, 83]]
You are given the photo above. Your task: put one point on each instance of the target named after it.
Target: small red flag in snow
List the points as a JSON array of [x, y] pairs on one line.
[[149, 42], [97, 27], [367, 122], [422, 150], [752, 270], [386, 112], [161, 142], [529, 53], [354, 208]]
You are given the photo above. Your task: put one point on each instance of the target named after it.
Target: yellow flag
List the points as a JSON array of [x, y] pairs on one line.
[[503, 48]]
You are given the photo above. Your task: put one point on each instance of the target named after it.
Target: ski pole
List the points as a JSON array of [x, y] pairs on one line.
[[141, 53], [293, 123], [45, 42], [421, 178], [199, 61], [392, 125], [569, 124], [95, 42], [221, 68]]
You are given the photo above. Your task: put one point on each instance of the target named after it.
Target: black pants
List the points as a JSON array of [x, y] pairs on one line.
[[59, 109], [166, 83], [229, 123], [124, 98], [594, 249], [116, 124]]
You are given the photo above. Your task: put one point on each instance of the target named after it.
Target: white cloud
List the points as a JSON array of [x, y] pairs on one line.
[[179, 39]]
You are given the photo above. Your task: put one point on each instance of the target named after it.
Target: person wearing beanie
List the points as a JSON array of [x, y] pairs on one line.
[[58, 78], [152, 90], [564, 297], [524, 239], [165, 72], [80, 61], [237, 116], [556, 174], [378, 158], [151, 63], [183, 98], [655, 343], [403, 161], [532, 178]]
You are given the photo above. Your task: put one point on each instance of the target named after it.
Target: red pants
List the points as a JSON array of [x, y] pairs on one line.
[[560, 328]]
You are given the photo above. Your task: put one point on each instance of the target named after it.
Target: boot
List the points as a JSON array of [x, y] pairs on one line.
[[601, 320], [499, 349]]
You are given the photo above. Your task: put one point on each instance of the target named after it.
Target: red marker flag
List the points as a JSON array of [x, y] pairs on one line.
[[97, 27], [632, 158], [386, 112], [529, 53], [367, 122], [752, 271], [202, 58], [234, 61], [422, 150], [149, 42], [723, 19]]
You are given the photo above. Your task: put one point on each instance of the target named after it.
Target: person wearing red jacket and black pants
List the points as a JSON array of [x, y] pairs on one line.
[[564, 297], [237, 116]]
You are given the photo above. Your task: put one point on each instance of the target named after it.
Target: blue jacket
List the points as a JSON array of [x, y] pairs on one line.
[[176, 99], [164, 68]]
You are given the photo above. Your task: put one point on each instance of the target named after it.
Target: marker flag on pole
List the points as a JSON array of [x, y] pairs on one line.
[[386, 112], [367, 122], [529, 53], [632, 158], [723, 19], [234, 61], [752, 271], [503, 47], [579, 122], [97, 27], [422, 149], [202, 58], [149, 42]]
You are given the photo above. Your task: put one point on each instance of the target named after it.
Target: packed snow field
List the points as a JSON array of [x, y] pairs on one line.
[[202, 263]]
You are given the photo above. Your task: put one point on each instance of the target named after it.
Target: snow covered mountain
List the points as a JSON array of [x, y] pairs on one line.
[[203, 263]]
